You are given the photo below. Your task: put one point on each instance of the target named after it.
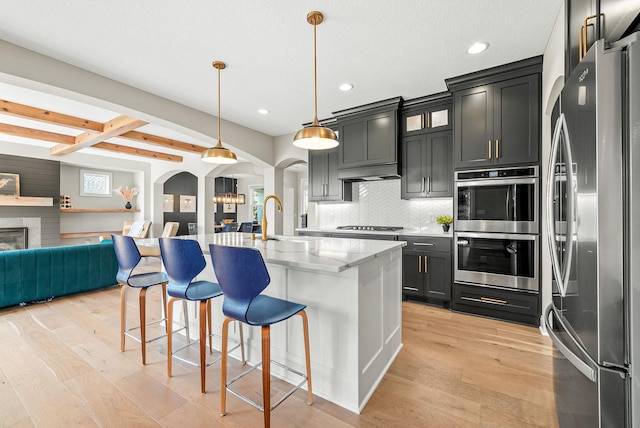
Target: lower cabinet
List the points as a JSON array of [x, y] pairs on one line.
[[426, 268], [518, 306]]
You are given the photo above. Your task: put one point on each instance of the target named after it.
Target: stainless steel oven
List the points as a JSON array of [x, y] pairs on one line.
[[497, 200], [497, 259]]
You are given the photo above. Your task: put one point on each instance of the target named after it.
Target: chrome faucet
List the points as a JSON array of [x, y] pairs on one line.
[[264, 213]]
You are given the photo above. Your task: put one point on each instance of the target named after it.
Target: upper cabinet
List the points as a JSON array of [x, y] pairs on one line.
[[591, 20], [369, 140], [496, 115], [324, 184], [427, 148]]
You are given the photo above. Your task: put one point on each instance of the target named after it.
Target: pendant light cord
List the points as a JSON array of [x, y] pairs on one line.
[[315, 78], [219, 113]]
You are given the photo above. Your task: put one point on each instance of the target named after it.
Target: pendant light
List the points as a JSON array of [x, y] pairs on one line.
[[219, 154], [315, 137]]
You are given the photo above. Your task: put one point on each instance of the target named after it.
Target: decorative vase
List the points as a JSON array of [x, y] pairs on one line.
[[128, 205], [445, 228]]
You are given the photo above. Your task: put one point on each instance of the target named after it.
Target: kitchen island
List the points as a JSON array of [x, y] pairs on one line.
[[352, 289]]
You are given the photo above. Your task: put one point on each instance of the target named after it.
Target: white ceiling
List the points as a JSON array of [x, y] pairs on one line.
[[384, 48]]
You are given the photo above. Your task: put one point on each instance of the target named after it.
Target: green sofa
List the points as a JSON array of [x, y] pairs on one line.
[[43, 273]]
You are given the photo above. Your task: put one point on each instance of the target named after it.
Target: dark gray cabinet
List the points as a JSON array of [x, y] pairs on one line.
[[427, 147], [426, 268], [324, 184], [498, 123], [518, 306], [427, 166], [368, 140]]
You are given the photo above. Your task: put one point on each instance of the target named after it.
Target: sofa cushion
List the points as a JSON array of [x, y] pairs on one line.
[[42, 273]]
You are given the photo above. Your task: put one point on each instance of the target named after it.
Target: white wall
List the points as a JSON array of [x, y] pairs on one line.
[[93, 222]]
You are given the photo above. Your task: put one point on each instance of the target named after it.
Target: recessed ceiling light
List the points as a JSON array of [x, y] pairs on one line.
[[263, 111], [346, 87], [477, 48]]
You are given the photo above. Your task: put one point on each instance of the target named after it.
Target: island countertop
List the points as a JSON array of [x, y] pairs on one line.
[[303, 252]]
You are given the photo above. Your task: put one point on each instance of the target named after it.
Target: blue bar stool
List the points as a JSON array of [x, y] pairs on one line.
[[183, 261], [128, 258], [243, 275]]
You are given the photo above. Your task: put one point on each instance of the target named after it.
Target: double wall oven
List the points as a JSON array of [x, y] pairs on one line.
[[496, 238]]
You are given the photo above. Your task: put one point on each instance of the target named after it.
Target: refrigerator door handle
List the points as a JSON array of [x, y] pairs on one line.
[[586, 368], [562, 275]]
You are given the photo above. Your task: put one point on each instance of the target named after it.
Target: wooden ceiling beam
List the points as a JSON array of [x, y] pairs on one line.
[[36, 134], [162, 142], [20, 110], [97, 131], [112, 128], [137, 152]]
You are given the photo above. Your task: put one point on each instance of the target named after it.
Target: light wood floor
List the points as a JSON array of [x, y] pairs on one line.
[[60, 365]]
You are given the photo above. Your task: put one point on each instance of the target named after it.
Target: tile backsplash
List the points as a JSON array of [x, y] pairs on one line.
[[378, 203]]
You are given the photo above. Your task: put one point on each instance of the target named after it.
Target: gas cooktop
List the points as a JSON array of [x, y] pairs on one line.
[[373, 228]]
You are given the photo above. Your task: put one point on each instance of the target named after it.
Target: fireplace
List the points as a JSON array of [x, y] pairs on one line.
[[13, 238]]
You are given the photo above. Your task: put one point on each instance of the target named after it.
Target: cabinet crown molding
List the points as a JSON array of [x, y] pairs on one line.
[[496, 74]]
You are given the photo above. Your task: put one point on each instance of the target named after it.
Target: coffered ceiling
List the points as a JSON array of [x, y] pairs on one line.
[[384, 48]]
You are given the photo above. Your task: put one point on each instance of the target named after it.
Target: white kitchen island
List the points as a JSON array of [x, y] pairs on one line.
[[352, 289]]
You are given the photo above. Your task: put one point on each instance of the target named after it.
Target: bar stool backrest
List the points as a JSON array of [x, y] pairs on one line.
[[242, 275], [183, 261], [127, 255]]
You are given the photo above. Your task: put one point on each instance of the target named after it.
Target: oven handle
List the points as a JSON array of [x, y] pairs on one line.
[[497, 182], [511, 236]]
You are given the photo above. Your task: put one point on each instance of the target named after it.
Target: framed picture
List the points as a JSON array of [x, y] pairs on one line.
[[95, 183], [167, 203], [229, 208], [9, 184], [187, 204]]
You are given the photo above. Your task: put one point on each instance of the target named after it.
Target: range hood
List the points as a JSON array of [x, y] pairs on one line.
[[370, 173], [369, 141]]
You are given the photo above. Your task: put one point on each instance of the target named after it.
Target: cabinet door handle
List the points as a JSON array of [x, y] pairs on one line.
[[497, 149], [325, 189], [411, 288], [583, 42], [428, 184], [426, 269], [428, 120], [422, 189], [493, 301], [423, 244], [489, 149], [420, 264], [580, 36]]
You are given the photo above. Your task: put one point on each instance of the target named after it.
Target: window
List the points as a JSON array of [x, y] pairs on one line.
[[256, 200], [95, 183]]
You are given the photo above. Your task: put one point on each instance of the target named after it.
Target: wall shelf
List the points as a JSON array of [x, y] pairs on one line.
[[25, 201], [97, 210], [87, 234]]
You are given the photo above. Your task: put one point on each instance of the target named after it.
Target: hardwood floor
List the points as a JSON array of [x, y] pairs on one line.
[[60, 365]]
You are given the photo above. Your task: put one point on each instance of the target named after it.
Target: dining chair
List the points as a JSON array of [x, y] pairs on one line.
[[243, 276], [183, 261], [128, 258]]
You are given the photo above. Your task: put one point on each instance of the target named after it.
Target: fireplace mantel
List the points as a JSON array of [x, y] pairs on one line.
[[25, 201]]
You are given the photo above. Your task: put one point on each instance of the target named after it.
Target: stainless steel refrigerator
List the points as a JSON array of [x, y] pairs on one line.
[[593, 220]]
